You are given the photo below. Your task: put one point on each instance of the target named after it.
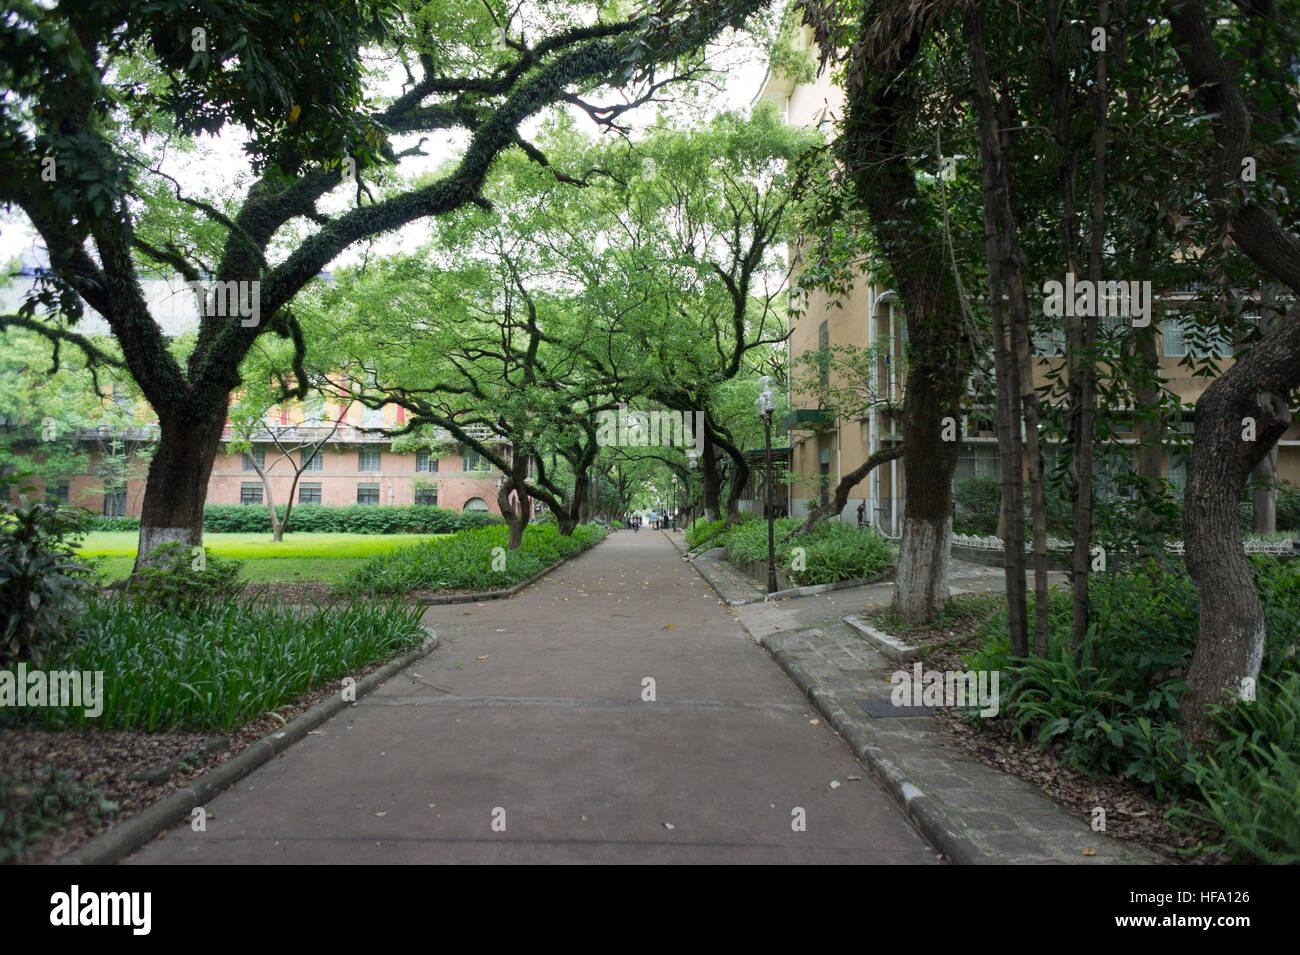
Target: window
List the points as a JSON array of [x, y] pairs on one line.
[[372, 417], [115, 502], [308, 493], [315, 463], [475, 461], [57, 492], [367, 493], [425, 461], [977, 460], [824, 358], [258, 455], [1175, 342], [476, 505], [368, 459], [250, 493], [1049, 342], [427, 497]]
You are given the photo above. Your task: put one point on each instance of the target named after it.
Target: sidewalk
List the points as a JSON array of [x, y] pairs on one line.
[[971, 811], [531, 715]]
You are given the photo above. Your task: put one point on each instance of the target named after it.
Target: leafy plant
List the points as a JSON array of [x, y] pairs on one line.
[[215, 664], [41, 581], [470, 560], [30, 807], [1251, 783], [174, 577]]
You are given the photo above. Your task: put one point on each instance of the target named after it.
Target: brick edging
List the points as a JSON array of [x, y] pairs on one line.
[[129, 835]]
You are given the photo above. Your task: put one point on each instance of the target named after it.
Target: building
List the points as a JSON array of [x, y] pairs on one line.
[[823, 448]]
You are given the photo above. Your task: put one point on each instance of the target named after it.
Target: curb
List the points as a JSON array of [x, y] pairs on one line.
[[129, 835], [923, 811], [932, 822], [509, 591]]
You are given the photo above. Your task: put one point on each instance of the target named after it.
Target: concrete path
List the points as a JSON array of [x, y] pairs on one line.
[[530, 714]]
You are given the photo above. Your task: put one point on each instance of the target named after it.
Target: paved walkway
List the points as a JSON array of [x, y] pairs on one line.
[[531, 713], [976, 813]]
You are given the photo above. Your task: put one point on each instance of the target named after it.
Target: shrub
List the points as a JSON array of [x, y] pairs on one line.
[[702, 532], [977, 505], [41, 581], [31, 806], [1288, 506], [352, 519], [1119, 714], [1251, 783], [833, 551], [174, 577], [98, 522], [469, 560]]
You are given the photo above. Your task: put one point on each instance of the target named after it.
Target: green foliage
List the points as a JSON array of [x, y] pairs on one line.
[[466, 561], [702, 532], [978, 503], [174, 577], [42, 583], [219, 664], [354, 519], [31, 806], [1251, 783], [1116, 712], [832, 551], [1288, 507]]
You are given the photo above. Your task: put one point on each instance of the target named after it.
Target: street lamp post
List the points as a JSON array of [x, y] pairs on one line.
[[765, 404]]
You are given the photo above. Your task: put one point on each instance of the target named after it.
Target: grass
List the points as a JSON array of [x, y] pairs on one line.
[[326, 558]]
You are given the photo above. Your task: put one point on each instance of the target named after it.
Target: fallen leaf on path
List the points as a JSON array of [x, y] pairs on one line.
[[671, 626], [815, 722], [381, 814], [669, 825], [484, 656]]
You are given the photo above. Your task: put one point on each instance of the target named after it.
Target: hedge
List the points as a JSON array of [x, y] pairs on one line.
[[322, 519]]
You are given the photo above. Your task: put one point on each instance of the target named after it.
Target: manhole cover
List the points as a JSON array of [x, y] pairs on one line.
[[884, 709]]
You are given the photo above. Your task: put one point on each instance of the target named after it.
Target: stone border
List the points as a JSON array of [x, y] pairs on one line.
[[923, 811], [886, 643], [509, 591], [131, 834]]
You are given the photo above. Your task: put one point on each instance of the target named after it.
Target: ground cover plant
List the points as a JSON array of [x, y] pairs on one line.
[[1111, 708], [471, 560], [828, 553]]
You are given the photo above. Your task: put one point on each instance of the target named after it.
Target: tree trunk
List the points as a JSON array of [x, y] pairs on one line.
[[846, 486], [995, 176], [711, 479], [516, 516], [177, 485], [879, 124], [1230, 644]]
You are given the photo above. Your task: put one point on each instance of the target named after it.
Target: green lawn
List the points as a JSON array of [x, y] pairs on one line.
[[315, 557]]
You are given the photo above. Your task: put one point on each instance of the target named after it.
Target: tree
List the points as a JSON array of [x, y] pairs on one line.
[[292, 76], [1259, 387], [890, 119]]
